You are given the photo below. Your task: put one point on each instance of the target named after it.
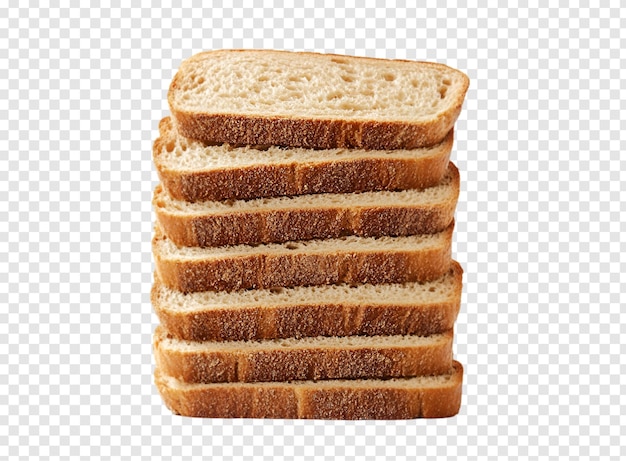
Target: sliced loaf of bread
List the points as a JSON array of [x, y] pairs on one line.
[[348, 357], [351, 259], [191, 170], [282, 98], [411, 308], [306, 217], [435, 396]]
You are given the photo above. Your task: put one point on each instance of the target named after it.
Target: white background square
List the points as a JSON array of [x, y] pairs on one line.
[[539, 226]]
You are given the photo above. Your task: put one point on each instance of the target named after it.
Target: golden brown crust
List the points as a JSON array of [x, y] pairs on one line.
[[252, 227], [298, 178], [299, 320], [314, 133], [271, 362], [304, 400], [299, 268], [228, 402], [347, 403], [308, 132]]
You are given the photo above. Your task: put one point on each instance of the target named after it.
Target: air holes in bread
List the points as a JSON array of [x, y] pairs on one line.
[[170, 146], [339, 60], [347, 78], [443, 89], [389, 77], [277, 290], [348, 106], [291, 246], [333, 95]]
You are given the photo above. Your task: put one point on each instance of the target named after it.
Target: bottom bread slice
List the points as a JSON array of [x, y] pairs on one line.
[[350, 357], [399, 398]]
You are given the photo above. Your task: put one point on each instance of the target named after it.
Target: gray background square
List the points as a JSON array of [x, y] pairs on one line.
[[539, 226]]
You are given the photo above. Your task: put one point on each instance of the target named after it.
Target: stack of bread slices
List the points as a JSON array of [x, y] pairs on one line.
[[303, 238]]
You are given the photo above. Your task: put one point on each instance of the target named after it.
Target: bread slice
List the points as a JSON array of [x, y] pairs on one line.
[[411, 308], [436, 396], [314, 100], [306, 217], [351, 357], [314, 262], [190, 170]]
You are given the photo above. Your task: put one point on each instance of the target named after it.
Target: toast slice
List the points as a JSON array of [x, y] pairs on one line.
[[193, 171], [324, 101], [348, 357], [436, 396], [350, 260], [410, 308], [307, 217]]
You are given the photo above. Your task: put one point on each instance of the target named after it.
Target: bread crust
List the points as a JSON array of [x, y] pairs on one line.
[[269, 361], [338, 399], [282, 225], [375, 172], [319, 133], [298, 320], [314, 133], [299, 268]]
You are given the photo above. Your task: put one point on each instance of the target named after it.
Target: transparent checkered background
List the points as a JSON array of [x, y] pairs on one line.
[[539, 226]]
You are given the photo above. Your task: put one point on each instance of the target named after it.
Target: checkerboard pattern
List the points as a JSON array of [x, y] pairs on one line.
[[539, 226]]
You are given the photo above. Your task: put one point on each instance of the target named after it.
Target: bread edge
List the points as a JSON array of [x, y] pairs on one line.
[[268, 361], [296, 320], [298, 400], [301, 269], [364, 174], [283, 225]]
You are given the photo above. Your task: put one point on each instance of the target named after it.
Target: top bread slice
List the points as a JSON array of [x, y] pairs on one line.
[[194, 171], [314, 100]]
